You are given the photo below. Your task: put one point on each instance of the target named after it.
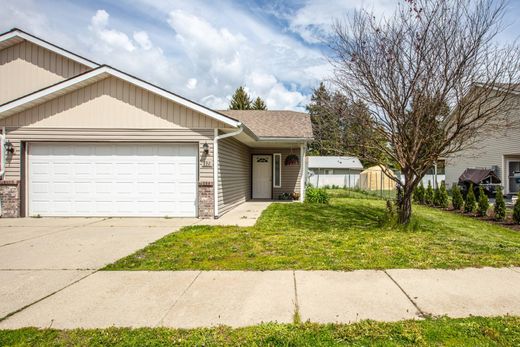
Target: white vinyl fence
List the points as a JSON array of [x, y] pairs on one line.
[[343, 181], [352, 180], [431, 178]]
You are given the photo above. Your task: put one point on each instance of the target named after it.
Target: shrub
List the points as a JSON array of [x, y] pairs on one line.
[[516, 212], [470, 203], [418, 194], [428, 195], [443, 196], [436, 197], [483, 202], [316, 195], [500, 205], [456, 200]]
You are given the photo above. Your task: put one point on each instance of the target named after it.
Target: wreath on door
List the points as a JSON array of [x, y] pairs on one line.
[[292, 159]]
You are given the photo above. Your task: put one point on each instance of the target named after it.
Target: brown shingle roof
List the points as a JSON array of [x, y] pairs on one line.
[[274, 123], [477, 175]]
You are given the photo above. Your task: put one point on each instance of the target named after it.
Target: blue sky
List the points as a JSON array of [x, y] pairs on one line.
[[203, 50]]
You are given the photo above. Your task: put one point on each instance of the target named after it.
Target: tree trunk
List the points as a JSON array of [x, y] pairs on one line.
[[404, 205]]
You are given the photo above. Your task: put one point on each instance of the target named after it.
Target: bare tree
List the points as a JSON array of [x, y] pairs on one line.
[[433, 77]]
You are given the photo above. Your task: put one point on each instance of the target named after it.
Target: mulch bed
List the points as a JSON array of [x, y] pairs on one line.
[[507, 223]]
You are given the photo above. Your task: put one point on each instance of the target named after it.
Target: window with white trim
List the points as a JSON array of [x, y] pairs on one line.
[[277, 170]]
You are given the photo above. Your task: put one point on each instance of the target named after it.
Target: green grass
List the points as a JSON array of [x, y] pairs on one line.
[[349, 234], [475, 331]]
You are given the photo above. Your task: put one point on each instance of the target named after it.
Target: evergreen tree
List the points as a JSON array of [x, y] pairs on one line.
[[325, 123], [416, 195], [483, 202], [420, 193], [259, 104], [500, 205], [456, 200], [428, 195], [437, 197], [443, 196], [240, 100], [342, 127], [516, 212], [470, 203]]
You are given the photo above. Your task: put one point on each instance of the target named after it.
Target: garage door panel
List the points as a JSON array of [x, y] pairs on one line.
[[87, 179]]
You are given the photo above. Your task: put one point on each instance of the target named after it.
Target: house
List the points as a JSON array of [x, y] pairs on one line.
[[498, 151], [342, 171], [84, 139]]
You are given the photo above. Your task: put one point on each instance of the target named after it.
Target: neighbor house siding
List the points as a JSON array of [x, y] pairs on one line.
[[234, 174], [291, 176], [487, 152], [26, 67]]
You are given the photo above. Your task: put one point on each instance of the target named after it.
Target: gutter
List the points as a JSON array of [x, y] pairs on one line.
[[215, 163]]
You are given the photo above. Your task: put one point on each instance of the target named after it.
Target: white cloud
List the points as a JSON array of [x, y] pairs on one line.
[[198, 49], [141, 37], [112, 39], [216, 102], [313, 21], [192, 83]]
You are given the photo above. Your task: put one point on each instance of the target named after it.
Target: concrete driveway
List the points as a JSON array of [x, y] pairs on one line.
[[40, 256]]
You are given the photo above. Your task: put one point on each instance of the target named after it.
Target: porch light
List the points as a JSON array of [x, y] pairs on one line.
[[205, 147], [9, 147]]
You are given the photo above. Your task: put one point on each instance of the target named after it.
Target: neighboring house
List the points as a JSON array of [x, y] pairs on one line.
[[499, 152], [85, 139], [334, 171]]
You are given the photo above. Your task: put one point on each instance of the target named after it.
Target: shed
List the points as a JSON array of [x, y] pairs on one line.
[[374, 178], [334, 165]]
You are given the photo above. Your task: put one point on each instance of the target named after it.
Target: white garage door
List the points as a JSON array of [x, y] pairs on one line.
[[105, 179]]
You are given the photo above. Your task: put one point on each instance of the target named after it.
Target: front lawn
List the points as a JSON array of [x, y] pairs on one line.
[[348, 234], [474, 331]]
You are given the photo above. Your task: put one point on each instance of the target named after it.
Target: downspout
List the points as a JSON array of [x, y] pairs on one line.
[[215, 163], [3, 160], [2, 154], [303, 177]]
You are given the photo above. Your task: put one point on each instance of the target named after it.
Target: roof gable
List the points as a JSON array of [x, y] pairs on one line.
[[15, 36], [95, 75], [26, 67]]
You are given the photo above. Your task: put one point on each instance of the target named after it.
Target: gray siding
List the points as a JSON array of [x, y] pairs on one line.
[[489, 151], [234, 174]]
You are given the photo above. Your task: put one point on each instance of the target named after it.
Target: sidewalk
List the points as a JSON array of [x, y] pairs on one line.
[[188, 299]]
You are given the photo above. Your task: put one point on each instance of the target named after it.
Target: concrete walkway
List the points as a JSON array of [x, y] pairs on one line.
[[243, 215], [188, 299]]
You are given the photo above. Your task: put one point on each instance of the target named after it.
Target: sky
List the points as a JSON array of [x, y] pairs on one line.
[[204, 50]]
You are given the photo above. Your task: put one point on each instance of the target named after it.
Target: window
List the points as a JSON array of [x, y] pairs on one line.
[[277, 170]]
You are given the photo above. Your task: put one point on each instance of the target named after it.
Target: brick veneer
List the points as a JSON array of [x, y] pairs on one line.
[[206, 196], [10, 198]]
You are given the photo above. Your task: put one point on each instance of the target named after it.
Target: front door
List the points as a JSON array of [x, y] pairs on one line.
[[513, 176], [262, 176]]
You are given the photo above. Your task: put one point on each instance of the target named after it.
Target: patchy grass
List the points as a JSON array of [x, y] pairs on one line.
[[349, 234], [475, 331]]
